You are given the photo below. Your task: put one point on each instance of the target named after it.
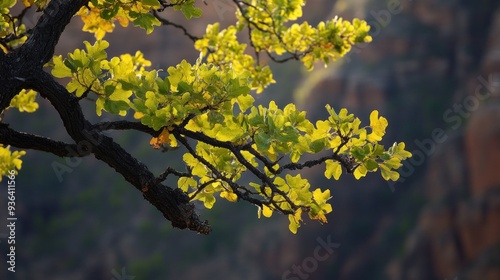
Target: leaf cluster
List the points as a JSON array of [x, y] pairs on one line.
[[234, 137], [9, 161]]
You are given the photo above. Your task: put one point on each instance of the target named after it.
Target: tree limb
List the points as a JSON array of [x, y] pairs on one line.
[[23, 68], [172, 203], [165, 22], [22, 140], [39, 48], [126, 125]]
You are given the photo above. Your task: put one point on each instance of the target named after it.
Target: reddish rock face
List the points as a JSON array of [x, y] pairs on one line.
[[483, 149], [462, 235]]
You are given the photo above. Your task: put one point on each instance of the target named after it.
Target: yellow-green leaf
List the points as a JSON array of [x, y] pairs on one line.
[[360, 172], [230, 196], [321, 197], [333, 169]]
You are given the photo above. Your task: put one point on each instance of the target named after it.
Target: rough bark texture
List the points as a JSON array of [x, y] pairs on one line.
[[23, 68]]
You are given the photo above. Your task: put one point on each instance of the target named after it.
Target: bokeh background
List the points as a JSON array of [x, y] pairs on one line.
[[433, 69]]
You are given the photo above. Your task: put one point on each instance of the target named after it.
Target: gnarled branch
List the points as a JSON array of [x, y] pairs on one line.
[[22, 140], [22, 68]]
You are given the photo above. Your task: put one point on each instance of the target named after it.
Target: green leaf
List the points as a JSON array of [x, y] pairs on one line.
[[270, 124], [236, 90], [317, 146], [360, 172], [358, 153], [145, 21], [215, 117], [385, 156], [245, 101], [97, 51], [255, 119], [153, 121], [378, 150], [371, 165], [109, 89], [181, 73], [393, 163], [139, 106], [184, 87], [7, 3], [153, 3], [189, 10], [186, 97], [263, 141], [116, 107], [151, 101], [71, 64], [398, 150], [287, 135], [120, 94], [185, 182], [388, 174], [163, 85], [110, 12]]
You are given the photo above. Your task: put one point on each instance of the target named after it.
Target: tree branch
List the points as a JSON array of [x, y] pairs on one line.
[[345, 160], [165, 21], [23, 68], [17, 65], [39, 48], [172, 203], [234, 187], [125, 125], [236, 150], [163, 176], [22, 140]]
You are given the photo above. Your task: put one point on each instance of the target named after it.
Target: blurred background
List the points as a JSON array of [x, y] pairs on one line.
[[433, 70]]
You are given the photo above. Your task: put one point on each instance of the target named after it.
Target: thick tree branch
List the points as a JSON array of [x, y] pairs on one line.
[[173, 204], [39, 48], [22, 68], [126, 125], [17, 65], [22, 140]]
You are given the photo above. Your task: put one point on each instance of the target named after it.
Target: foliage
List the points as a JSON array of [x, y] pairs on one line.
[[211, 102], [9, 161], [24, 102]]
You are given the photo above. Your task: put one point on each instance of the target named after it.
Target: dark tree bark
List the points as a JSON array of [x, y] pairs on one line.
[[23, 69]]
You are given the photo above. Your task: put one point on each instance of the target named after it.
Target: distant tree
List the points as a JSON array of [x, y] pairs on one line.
[[206, 107]]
